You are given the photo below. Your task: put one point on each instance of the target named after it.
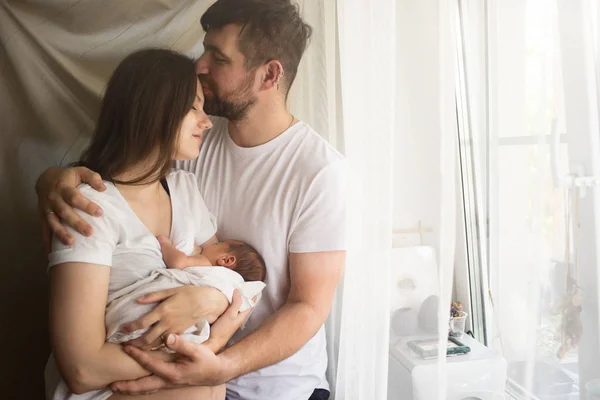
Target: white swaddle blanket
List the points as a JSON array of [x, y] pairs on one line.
[[122, 307]]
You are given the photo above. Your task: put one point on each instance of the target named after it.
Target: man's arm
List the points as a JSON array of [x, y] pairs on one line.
[[313, 277], [58, 196], [314, 274]]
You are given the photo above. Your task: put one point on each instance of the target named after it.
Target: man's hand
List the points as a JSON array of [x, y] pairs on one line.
[[153, 380], [228, 323], [58, 195], [197, 365], [181, 308]]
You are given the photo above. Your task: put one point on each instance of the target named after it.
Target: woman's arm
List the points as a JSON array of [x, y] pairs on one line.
[[78, 293]]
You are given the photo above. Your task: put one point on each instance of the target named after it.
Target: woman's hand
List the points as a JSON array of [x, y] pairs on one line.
[[195, 365], [180, 308], [58, 195]]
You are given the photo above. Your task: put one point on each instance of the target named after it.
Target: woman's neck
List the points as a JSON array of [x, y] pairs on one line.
[[139, 191]]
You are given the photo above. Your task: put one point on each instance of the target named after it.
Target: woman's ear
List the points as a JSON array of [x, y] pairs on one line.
[[227, 261]]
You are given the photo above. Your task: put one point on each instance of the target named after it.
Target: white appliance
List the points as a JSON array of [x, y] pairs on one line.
[[479, 375]]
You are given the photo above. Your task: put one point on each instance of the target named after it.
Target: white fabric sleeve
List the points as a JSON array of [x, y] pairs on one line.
[[95, 249], [183, 165], [321, 223]]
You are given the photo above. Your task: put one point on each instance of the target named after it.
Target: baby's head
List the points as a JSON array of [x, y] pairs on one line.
[[238, 256]]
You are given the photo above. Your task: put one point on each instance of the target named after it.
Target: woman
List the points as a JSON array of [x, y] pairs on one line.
[[151, 114]]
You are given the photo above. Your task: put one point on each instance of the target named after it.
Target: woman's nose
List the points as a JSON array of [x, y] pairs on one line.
[[201, 65], [204, 122]]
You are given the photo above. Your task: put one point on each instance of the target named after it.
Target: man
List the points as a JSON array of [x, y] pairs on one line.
[[273, 183]]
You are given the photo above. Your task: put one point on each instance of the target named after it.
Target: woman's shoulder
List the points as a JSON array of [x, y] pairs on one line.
[[178, 179], [110, 199]]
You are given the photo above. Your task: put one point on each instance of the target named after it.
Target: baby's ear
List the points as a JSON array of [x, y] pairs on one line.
[[227, 261]]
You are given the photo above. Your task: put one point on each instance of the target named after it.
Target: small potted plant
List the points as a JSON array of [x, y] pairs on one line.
[[457, 319]]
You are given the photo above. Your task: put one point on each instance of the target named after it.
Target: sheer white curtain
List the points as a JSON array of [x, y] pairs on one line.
[[578, 32], [448, 136], [370, 54], [315, 98], [368, 70]]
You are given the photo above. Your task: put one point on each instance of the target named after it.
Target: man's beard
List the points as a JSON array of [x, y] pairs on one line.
[[235, 109]]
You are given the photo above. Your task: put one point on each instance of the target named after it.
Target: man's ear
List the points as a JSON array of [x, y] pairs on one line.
[[227, 261], [273, 75]]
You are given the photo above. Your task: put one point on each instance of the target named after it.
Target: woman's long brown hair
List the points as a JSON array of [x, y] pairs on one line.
[[146, 99]]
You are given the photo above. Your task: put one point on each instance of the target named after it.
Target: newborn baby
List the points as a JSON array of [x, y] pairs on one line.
[[226, 266], [232, 254]]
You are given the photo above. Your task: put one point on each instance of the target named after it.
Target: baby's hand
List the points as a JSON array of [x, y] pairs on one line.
[[172, 257]]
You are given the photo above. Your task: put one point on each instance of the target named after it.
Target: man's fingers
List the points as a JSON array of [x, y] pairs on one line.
[[236, 304], [168, 371], [58, 229], [67, 215], [75, 199], [91, 178], [146, 385], [156, 296], [181, 347], [46, 232], [243, 315]]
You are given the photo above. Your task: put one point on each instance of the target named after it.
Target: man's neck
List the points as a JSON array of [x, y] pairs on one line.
[[261, 125]]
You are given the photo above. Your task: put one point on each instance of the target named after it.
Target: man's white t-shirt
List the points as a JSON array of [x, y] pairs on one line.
[[285, 196]]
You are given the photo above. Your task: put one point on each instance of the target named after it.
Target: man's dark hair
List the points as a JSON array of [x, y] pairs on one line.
[[249, 263], [146, 99], [271, 30]]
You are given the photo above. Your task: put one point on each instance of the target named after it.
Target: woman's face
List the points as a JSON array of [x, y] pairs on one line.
[[193, 125]]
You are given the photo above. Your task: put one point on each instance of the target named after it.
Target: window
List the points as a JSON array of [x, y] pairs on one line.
[[521, 253]]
